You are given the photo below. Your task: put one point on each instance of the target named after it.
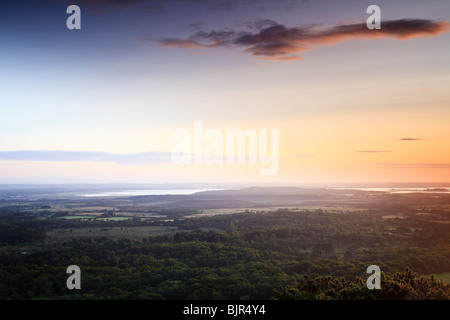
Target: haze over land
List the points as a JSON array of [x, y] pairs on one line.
[[204, 196]]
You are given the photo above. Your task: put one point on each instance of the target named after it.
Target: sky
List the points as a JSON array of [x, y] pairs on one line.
[[111, 102]]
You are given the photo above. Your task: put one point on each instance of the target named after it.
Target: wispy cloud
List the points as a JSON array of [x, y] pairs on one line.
[[144, 158], [276, 41], [411, 139], [414, 165], [197, 25]]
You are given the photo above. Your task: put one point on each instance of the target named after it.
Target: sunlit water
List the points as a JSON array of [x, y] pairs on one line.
[[402, 190], [148, 192]]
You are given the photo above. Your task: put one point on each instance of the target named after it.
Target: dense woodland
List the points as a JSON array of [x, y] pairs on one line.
[[286, 254]]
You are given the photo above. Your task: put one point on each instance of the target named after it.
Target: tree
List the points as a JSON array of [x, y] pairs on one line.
[[406, 285]]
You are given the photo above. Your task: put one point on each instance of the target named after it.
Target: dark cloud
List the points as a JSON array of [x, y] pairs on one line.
[[276, 41], [144, 158]]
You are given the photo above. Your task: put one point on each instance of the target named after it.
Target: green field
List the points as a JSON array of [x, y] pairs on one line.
[[114, 218], [444, 277], [84, 217], [77, 217]]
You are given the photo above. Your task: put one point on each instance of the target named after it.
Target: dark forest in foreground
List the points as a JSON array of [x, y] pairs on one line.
[[295, 253]]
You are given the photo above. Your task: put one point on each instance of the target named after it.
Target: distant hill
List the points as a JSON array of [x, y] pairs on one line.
[[279, 191], [251, 197]]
